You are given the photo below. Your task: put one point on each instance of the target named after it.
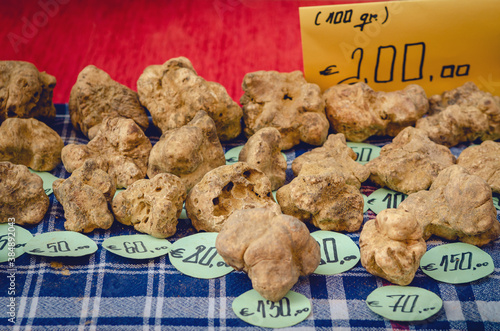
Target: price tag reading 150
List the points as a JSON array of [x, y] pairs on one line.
[[252, 308], [456, 263]]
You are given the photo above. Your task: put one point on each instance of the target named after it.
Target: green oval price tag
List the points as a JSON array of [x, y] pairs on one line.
[[196, 256], [118, 190], [338, 252], [137, 246], [365, 204], [383, 199], [233, 154], [61, 243], [404, 303], [47, 179], [365, 152], [252, 308], [13, 238], [496, 202], [456, 263]]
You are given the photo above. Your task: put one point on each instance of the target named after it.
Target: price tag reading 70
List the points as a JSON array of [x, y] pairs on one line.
[[404, 303], [252, 308], [196, 256], [338, 252], [383, 199]]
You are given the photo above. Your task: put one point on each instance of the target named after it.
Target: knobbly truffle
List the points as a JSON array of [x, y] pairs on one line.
[[262, 151], [321, 195], [337, 155], [85, 196], [25, 92], [359, 112], [120, 148], [152, 206], [287, 102], [30, 142], [463, 114], [224, 190], [273, 249], [22, 196], [392, 245], [410, 163], [174, 93], [483, 161], [458, 205], [188, 152], [96, 95]]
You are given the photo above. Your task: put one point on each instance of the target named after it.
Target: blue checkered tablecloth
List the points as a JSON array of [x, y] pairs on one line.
[[104, 291]]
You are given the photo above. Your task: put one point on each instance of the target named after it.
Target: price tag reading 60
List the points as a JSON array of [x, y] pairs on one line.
[[196, 256], [137, 246], [252, 308]]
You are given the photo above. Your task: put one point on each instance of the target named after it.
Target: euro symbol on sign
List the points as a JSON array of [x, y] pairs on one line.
[[374, 304], [244, 312], [177, 253], [328, 71], [429, 267]]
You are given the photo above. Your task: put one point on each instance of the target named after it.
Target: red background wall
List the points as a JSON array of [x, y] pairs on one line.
[[224, 39]]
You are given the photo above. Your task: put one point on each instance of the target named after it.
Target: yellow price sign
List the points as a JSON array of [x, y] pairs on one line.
[[439, 44]]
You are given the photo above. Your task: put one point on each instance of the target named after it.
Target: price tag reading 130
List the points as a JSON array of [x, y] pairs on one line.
[[404, 303], [252, 308], [456, 263], [196, 256]]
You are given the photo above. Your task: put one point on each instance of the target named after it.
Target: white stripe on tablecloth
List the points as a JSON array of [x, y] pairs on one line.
[[211, 304], [86, 295], [149, 296], [160, 295], [223, 302], [99, 286]]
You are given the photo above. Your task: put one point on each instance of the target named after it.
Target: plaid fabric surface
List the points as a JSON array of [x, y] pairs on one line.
[[104, 291]]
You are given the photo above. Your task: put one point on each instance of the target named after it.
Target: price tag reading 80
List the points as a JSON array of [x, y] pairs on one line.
[[196, 256], [404, 303], [252, 308]]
